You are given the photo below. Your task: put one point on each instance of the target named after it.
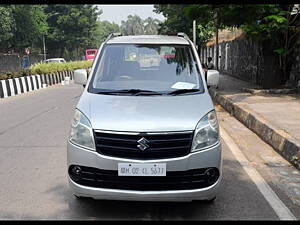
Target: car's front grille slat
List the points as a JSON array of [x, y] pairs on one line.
[[115, 139], [118, 148], [174, 180], [160, 146]]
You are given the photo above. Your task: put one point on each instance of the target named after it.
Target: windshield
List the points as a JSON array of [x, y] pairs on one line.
[[157, 67]]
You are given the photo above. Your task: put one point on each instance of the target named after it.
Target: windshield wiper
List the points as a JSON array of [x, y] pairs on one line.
[[182, 91], [130, 91]]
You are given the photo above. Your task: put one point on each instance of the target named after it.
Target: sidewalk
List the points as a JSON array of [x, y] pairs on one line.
[[275, 118]]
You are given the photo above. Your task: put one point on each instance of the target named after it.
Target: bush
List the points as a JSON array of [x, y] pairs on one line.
[[14, 74], [45, 68]]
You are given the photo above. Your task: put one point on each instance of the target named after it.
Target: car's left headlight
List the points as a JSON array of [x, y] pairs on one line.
[[81, 131], [206, 132]]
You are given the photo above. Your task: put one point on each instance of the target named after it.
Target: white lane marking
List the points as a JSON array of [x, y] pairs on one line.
[[278, 206]]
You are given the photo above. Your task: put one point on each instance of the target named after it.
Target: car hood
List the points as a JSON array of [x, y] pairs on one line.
[[145, 113]]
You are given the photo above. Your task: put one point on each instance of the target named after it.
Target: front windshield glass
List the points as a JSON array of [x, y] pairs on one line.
[[160, 68]]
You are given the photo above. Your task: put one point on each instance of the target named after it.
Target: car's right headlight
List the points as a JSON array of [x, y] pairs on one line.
[[81, 131], [206, 132]]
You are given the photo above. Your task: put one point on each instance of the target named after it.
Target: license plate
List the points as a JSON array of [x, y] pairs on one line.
[[139, 169]]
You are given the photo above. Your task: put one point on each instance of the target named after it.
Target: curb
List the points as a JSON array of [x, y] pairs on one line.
[[20, 85], [280, 140], [271, 91]]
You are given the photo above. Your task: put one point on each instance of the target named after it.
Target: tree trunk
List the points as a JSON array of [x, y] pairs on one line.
[[61, 52], [271, 71]]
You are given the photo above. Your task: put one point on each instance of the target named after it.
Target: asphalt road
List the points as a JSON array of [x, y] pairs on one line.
[[33, 170]]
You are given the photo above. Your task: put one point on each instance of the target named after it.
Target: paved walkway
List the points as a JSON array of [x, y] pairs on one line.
[[280, 112]]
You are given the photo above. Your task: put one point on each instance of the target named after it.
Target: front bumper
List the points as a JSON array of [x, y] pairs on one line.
[[201, 159]]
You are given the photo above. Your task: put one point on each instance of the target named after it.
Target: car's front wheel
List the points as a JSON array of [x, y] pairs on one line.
[[80, 198], [209, 201]]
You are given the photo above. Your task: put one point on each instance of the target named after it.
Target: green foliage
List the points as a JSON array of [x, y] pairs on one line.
[[271, 24], [280, 51], [14, 74], [21, 25], [205, 32], [228, 15], [151, 25], [134, 25], [30, 23], [180, 19], [7, 24], [279, 28], [176, 20], [71, 27], [68, 30], [45, 68], [210, 18], [263, 22], [104, 28]]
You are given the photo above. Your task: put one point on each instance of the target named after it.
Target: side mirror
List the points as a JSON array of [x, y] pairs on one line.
[[80, 76], [213, 77]]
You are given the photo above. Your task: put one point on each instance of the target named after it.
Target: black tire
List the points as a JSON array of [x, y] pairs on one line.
[[207, 201], [210, 201], [80, 198]]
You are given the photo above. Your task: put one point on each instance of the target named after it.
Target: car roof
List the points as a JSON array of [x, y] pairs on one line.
[[148, 39], [55, 59]]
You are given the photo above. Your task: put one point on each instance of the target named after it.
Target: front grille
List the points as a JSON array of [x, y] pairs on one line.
[[125, 145], [179, 180]]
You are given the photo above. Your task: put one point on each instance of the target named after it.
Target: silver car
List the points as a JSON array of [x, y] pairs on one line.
[[145, 128], [55, 60]]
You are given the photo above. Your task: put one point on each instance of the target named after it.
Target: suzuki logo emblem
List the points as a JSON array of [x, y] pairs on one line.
[[143, 144]]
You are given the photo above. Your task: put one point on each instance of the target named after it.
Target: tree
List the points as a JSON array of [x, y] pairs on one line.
[[176, 20], [205, 32], [7, 26], [30, 23], [271, 24], [71, 27], [104, 28], [134, 25], [211, 18], [281, 30], [151, 25]]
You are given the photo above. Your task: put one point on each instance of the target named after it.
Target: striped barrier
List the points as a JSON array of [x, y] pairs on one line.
[[19, 85]]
